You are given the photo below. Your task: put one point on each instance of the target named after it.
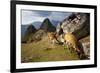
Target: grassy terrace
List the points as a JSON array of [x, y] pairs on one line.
[[42, 52]]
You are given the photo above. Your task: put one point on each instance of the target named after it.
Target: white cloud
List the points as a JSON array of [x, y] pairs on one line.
[[29, 16], [59, 16]]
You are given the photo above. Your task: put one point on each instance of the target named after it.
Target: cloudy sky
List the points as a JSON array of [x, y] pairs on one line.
[[31, 16]]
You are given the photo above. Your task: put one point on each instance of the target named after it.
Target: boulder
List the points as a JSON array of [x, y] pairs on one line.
[[85, 43], [77, 24]]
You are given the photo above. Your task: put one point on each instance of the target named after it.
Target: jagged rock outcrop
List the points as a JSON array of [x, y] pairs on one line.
[[78, 24]]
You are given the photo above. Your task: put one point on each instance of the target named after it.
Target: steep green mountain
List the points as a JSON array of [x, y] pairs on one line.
[[28, 34], [47, 26]]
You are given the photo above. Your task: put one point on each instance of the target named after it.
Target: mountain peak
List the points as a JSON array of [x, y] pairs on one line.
[[47, 20], [47, 26]]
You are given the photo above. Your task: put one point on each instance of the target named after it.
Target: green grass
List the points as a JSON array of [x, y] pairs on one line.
[[42, 51]]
